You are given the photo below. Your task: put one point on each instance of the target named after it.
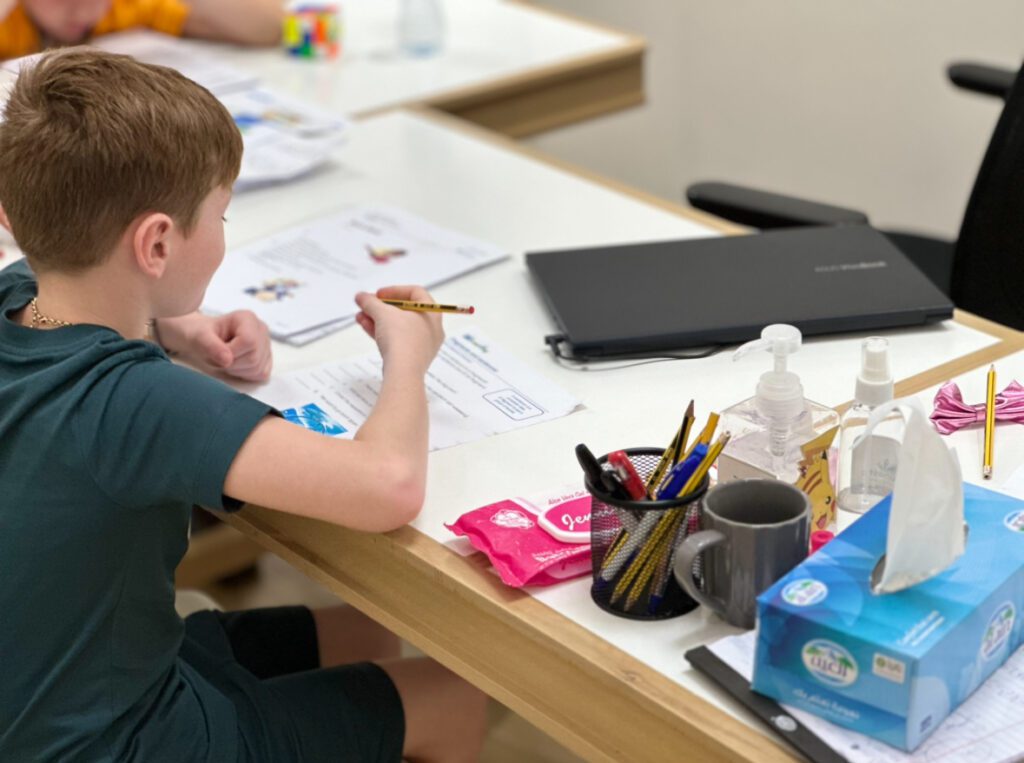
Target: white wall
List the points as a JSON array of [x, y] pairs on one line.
[[843, 101]]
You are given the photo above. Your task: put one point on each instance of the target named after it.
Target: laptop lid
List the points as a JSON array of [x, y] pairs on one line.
[[672, 295]]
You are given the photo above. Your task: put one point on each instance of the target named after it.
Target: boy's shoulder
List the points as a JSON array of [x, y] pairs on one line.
[[18, 269], [16, 281]]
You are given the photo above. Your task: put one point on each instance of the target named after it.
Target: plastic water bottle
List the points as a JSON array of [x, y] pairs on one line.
[[420, 27]]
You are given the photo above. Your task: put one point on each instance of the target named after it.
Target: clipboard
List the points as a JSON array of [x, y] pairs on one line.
[[770, 712]]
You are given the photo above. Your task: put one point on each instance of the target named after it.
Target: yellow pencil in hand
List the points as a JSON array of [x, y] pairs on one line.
[[429, 307]]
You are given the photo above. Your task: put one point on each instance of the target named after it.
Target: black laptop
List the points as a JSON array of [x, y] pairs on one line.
[[667, 296]]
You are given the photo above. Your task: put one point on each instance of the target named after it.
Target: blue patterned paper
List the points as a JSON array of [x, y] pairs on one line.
[[313, 417]]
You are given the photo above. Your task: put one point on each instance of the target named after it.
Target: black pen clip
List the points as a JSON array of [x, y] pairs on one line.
[[591, 468]]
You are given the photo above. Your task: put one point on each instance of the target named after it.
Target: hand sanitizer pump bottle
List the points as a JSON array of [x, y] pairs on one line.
[[867, 472], [769, 428]]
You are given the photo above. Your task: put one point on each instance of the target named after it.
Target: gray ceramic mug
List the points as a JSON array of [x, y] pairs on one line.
[[755, 531]]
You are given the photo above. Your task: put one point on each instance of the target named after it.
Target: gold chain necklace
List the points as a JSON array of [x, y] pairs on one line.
[[44, 321]]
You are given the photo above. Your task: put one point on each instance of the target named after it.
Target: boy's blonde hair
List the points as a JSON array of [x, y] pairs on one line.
[[91, 140]]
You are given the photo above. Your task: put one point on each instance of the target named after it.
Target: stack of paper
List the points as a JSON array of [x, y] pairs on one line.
[[283, 138], [303, 281], [474, 389]]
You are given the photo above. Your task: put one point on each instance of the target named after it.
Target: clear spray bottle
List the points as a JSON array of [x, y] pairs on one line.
[[867, 472]]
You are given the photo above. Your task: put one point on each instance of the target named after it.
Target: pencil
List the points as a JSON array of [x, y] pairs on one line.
[[705, 466], [668, 458], [705, 436], [684, 434], [990, 423], [428, 307]]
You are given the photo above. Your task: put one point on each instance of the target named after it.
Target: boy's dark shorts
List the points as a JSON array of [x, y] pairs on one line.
[[289, 709]]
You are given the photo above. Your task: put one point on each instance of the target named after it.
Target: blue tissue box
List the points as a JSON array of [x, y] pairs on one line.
[[893, 666]]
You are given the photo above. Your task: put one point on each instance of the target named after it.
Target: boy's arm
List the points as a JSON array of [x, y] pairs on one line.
[[247, 22], [375, 482]]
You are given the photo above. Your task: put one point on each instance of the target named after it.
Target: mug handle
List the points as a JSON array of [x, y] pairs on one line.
[[687, 553]]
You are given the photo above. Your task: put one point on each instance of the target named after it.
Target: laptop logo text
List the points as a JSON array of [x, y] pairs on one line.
[[845, 266]]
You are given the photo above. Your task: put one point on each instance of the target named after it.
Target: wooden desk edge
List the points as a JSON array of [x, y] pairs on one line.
[[549, 96], [552, 95], [418, 588]]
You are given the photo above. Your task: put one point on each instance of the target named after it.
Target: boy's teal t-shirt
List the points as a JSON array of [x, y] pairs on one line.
[[105, 445]]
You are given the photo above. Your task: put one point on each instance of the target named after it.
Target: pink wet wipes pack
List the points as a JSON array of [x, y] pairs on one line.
[[512, 533], [568, 521]]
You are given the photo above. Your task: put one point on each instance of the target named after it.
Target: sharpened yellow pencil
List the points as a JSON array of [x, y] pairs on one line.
[[990, 423], [428, 307], [668, 458]]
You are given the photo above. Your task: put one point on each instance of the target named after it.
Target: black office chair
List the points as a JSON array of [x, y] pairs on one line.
[[983, 270]]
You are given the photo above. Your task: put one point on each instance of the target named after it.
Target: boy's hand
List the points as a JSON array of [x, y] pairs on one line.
[[237, 343], [403, 336]]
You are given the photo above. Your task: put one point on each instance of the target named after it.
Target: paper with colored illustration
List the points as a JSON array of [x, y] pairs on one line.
[[306, 277], [474, 389]]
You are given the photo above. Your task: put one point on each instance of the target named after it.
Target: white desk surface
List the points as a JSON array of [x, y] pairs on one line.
[[455, 179], [485, 41]]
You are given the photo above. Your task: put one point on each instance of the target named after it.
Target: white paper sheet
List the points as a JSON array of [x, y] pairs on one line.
[[1014, 484], [164, 50], [284, 138], [474, 389], [307, 276], [306, 337], [987, 728]]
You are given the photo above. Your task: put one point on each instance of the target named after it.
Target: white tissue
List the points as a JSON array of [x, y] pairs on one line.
[[926, 521]]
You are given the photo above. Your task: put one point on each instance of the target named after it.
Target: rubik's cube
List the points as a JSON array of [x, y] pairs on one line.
[[312, 31]]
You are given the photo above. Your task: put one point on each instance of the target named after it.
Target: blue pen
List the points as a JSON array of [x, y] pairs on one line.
[[681, 472]]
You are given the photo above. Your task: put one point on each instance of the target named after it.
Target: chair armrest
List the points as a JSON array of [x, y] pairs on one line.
[[979, 78], [762, 209]]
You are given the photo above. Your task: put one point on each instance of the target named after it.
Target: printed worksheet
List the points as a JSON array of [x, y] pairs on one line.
[[283, 137], [474, 389], [307, 276], [987, 728]]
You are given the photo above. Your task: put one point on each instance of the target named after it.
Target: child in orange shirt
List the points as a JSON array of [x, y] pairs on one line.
[[29, 26]]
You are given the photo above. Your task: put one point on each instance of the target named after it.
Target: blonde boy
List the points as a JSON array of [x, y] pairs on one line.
[[114, 178]]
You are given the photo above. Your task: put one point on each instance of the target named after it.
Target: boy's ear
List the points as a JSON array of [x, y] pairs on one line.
[[5, 222], [151, 243]]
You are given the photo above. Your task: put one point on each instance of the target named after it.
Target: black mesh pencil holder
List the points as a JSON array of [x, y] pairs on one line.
[[633, 546]]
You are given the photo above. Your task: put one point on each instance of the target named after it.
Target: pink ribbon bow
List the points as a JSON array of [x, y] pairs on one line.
[[952, 413]]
